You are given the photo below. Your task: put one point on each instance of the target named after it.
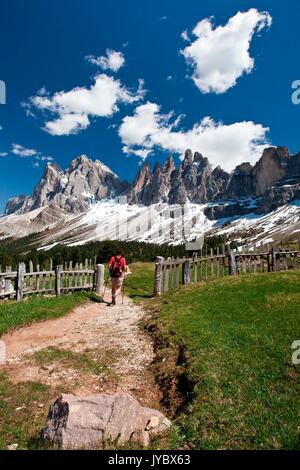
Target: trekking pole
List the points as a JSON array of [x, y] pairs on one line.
[[105, 286], [123, 289]]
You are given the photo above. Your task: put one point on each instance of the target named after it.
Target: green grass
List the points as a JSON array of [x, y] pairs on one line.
[[21, 418], [225, 345], [237, 334], [84, 361], [139, 284], [13, 314]]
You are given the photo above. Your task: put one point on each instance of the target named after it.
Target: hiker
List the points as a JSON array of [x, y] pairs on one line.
[[117, 268]]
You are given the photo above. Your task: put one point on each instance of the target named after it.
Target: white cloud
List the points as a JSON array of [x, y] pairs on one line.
[[225, 145], [74, 109], [67, 124], [169, 77], [44, 158], [142, 153], [139, 128], [3, 154], [113, 60], [220, 56], [185, 35], [23, 152]]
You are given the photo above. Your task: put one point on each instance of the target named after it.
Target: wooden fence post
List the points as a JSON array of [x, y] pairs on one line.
[[99, 279], [186, 272], [30, 266], [195, 266], [167, 271], [31, 276], [80, 275], [278, 261], [273, 264], [177, 264], [7, 281], [21, 270], [268, 262], [58, 271], [38, 277], [172, 272], [211, 262], [223, 259], [218, 261], [262, 263], [158, 275], [243, 259], [232, 263], [238, 263]]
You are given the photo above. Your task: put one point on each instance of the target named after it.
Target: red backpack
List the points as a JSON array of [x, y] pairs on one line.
[[116, 267]]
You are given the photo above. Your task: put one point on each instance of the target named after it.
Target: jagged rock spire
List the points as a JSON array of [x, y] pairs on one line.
[[87, 181]]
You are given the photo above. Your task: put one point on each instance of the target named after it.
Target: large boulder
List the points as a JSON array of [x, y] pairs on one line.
[[86, 422]]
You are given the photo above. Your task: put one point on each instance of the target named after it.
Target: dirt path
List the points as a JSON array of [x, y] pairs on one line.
[[94, 349]]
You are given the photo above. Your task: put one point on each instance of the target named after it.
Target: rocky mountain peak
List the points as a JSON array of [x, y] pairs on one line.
[[73, 190], [187, 159], [243, 169], [169, 165], [138, 191], [218, 172], [200, 161], [270, 168], [274, 180], [79, 161], [52, 172], [276, 152], [157, 168], [143, 177]]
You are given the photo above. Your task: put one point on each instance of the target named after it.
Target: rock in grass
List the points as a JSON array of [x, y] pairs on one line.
[[12, 447], [89, 421]]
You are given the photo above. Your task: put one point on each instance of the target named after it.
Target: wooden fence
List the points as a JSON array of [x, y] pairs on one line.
[[171, 273], [16, 285]]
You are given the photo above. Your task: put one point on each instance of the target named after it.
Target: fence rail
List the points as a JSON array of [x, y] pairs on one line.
[[19, 284], [171, 273]]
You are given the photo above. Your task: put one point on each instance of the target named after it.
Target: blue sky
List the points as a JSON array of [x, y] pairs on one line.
[[44, 46]]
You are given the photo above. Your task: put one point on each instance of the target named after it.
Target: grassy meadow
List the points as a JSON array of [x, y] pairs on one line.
[[228, 343], [223, 360], [38, 308]]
